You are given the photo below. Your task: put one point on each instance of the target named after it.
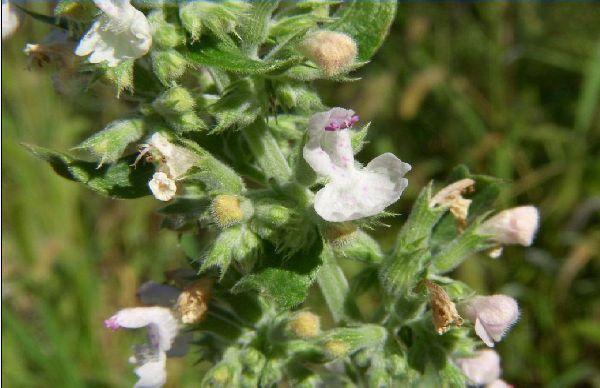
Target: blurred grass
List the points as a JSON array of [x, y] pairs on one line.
[[511, 90]]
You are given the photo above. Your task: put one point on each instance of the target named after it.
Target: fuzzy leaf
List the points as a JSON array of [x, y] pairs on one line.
[[254, 27], [456, 251], [213, 53], [236, 243], [118, 180], [368, 22], [238, 107], [287, 283], [265, 149]]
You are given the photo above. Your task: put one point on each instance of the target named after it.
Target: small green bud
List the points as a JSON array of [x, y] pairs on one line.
[[221, 375], [272, 213], [340, 234], [234, 243], [165, 34], [397, 365], [228, 210], [305, 325], [341, 342], [298, 96], [110, 143], [186, 122], [361, 247], [310, 381], [219, 17], [121, 76], [272, 373], [174, 100], [252, 360], [168, 65]]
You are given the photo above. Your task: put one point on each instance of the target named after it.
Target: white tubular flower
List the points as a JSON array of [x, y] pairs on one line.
[[10, 19], [177, 160], [150, 358], [174, 162], [481, 369], [162, 187], [513, 226], [121, 33], [492, 315], [498, 384], [352, 192]]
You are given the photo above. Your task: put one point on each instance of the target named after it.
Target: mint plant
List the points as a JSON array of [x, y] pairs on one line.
[[260, 181]]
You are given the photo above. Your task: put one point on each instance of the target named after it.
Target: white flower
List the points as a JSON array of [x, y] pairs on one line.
[[176, 160], [162, 187], [498, 384], [513, 226], [120, 33], [492, 315], [150, 358], [352, 192], [10, 19], [481, 369]]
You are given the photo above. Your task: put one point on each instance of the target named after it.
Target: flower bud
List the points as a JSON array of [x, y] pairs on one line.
[[165, 34], [334, 52], [483, 368], [175, 100], [163, 188], [221, 375], [336, 348], [110, 143], [272, 213], [252, 360], [443, 310], [340, 234], [168, 65], [451, 196], [228, 210], [305, 325], [272, 373], [361, 247], [186, 122], [513, 226], [192, 303], [492, 315]]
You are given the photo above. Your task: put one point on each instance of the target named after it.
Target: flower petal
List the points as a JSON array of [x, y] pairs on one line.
[[483, 334], [153, 373], [162, 325]]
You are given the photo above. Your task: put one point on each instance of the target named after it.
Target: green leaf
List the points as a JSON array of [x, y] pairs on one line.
[[238, 107], [265, 149], [420, 222], [334, 288], [117, 180], [286, 284], [254, 26], [236, 243], [216, 175], [456, 251], [213, 53], [368, 22]]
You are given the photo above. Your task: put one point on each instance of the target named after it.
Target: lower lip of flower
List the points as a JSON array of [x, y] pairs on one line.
[[111, 323]]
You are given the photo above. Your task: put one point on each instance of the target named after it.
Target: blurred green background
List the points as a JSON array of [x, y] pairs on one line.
[[509, 89]]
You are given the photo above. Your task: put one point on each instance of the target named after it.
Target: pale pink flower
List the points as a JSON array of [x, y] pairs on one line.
[[352, 192], [10, 19], [483, 368], [513, 226], [492, 316]]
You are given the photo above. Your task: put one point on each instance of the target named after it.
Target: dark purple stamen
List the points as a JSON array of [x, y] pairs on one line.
[[336, 124]]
